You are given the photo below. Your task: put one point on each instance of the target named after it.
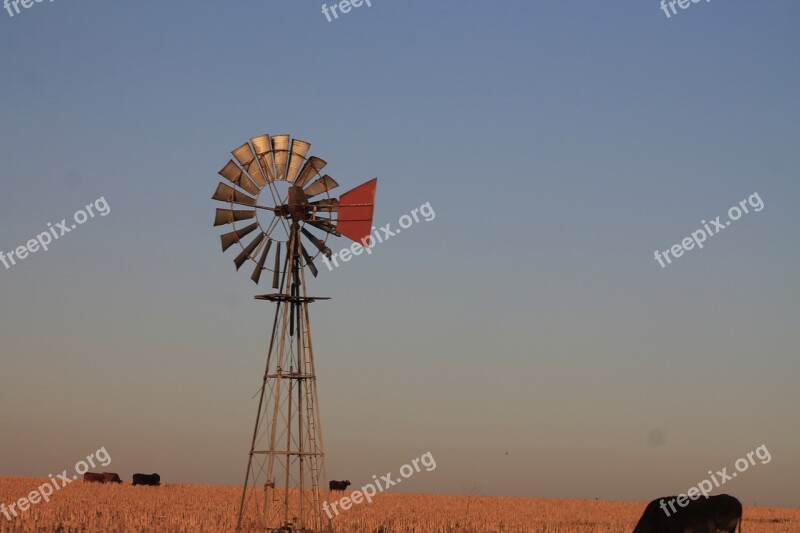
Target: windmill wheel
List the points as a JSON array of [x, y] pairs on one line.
[[275, 192]]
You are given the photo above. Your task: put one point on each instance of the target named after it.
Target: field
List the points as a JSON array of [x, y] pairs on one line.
[[94, 508]]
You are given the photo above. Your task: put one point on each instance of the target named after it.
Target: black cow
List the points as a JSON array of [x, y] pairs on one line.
[[152, 480], [111, 477], [717, 513], [93, 477], [338, 485]]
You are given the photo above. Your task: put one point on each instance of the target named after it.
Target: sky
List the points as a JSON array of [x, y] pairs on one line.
[[526, 336]]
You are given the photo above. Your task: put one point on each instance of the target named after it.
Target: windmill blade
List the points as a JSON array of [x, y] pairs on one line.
[[311, 266], [234, 236], [312, 167], [226, 193], [298, 155], [256, 277], [280, 149], [328, 205], [292, 308], [356, 208], [254, 171], [319, 243], [294, 292], [247, 158], [325, 225], [324, 184], [247, 253], [276, 273], [228, 216], [234, 174], [262, 146]]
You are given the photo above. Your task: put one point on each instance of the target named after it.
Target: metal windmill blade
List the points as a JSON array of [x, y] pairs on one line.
[[313, 167], [325, 225], [276, 272], [316, 241], [260, 266], [236, 235], [324, 184], [280, 150], [236, 175], [226, 193], [262, 146], [328, 205], [309, 261], [249, 251], [247, 159], [229, 216], [297, 158]]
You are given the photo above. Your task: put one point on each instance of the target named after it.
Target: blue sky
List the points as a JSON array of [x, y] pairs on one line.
[[559, 143]]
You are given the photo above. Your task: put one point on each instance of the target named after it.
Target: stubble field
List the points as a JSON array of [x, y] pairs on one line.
[[88, 507]]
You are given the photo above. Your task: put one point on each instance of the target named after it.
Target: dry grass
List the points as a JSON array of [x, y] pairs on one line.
[[94, 508]]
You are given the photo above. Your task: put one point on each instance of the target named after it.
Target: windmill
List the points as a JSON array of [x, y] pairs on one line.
[[282, 214]]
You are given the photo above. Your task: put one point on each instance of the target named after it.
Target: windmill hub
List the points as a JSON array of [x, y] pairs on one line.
[[298, 201]]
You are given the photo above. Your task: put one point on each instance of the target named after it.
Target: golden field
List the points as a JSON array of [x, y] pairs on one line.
[[89, 507]]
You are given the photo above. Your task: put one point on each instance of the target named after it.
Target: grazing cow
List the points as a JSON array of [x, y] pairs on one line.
[[111, 477], [93, 477], [152, 480], [338, 485], [717, 513]]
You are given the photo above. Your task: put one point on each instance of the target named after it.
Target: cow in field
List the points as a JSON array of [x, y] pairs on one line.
[[93, 477], [338, 485], [703, 515], [111, 477], [152, 480]]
